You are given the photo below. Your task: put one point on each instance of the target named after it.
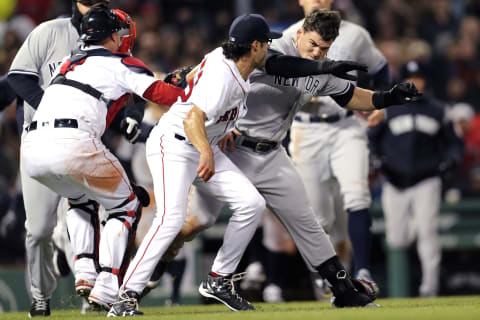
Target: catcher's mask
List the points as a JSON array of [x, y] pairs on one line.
[[128, 35], [100, 22]]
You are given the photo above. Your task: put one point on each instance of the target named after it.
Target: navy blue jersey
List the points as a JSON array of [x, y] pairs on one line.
[[414, 142]]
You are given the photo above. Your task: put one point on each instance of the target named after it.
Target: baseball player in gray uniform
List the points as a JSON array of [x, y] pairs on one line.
[[324, 161], [256, 149], [29, 75]]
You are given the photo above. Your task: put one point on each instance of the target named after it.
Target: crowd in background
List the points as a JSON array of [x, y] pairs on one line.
[[443, 34]]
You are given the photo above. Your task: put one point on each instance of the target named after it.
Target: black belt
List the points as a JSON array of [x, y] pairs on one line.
[[259, 145], [58, 123], [326, 118], [179, 137]]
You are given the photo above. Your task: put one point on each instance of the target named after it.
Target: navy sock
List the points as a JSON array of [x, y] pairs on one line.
[[359, 223]]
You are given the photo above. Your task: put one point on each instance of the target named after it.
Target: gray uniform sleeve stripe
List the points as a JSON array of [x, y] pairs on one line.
[[31, 73]]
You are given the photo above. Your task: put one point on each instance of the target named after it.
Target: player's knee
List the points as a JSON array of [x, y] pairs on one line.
[[397, 241], [38, 235], [428, 232], [38, 231], [257, 204]]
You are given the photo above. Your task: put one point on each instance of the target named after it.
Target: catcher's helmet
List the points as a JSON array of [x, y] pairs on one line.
[[128, 36], [98, 23]]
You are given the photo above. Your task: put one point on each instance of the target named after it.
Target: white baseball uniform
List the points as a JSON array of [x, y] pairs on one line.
[[273, 102], [323, 151], [39, 56], [63, 150], [219, 90]]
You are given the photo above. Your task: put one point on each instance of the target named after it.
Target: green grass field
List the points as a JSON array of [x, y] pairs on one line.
[[456, 308]]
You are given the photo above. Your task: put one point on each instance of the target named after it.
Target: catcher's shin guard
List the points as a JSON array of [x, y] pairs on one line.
[[90, 208], [344, 292], [132, 228]]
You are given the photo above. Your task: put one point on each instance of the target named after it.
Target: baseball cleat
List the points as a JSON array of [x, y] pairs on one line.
[[127, 306], [335, 304], [83, 288], [352, 299], [223, 289], [39, 308], [97, 304]]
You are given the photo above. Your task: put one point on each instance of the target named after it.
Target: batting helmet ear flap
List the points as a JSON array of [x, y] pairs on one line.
[[128, 34]]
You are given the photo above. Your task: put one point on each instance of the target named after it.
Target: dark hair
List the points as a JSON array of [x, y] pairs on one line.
[[324, 22], [235, 51]]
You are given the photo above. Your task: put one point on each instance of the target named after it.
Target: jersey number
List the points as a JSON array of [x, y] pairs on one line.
[[187, 92]]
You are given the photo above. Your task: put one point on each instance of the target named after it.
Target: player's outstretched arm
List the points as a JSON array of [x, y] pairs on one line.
[[367, 100], [292, 67], [194, 125]]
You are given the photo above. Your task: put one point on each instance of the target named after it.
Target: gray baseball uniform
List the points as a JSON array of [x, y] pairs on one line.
[[39, 56], [325, 159], [272, 104]]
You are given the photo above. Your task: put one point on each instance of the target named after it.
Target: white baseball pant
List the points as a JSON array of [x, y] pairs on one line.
[[41, 208], [173, 165], [413, 212], [79, 167], [330, 153]]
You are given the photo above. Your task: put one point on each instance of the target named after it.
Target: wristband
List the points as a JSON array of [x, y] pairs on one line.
[[378, 100]]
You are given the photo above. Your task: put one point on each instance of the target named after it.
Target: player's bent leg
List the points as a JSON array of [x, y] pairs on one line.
[[286, 197], [172, 180], [196, 221], [116, 244], [231, 186]]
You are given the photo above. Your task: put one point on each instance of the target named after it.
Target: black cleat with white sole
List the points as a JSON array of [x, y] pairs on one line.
[[223, 289], [127, 306], [39, 308]]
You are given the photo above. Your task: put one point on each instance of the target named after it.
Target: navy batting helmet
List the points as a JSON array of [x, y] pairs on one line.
[[411, 69], [99, 23]]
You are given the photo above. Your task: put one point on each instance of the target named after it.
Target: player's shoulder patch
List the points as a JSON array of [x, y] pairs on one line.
[[136, 65]]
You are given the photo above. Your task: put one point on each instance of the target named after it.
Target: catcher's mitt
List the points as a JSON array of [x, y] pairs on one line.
[[369, 288], [178, 77]]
